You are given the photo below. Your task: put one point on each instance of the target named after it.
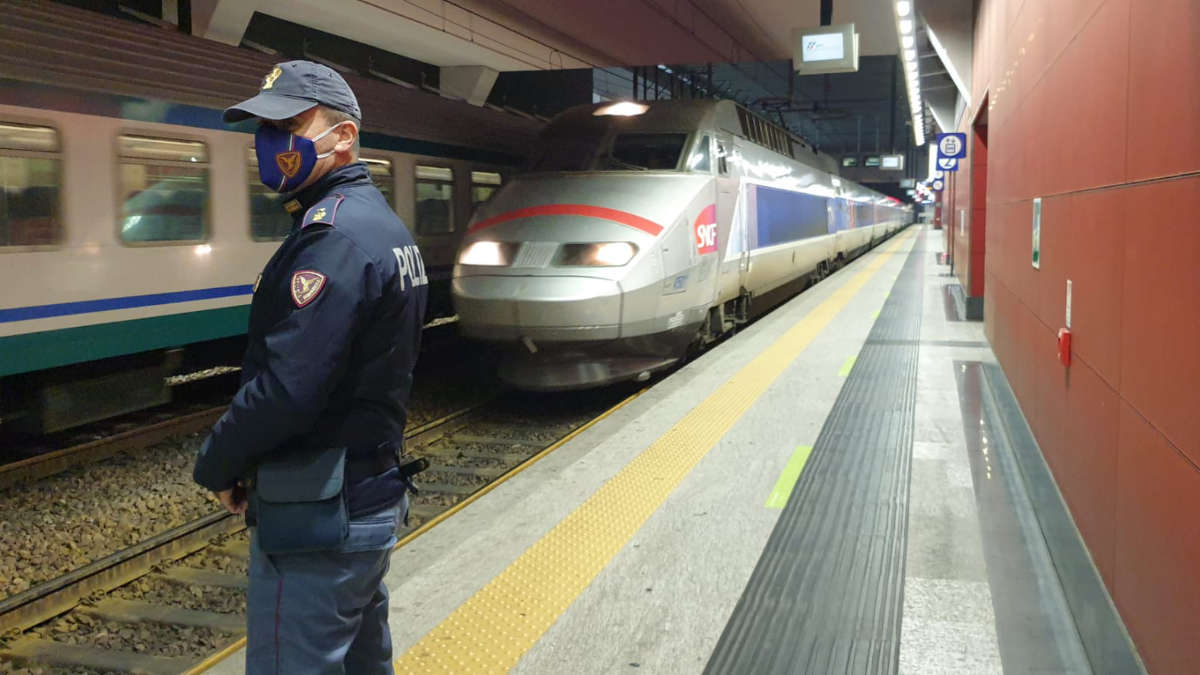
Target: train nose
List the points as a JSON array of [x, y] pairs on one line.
[[551, 308]]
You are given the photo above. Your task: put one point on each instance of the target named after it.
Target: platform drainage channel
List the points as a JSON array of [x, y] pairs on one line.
[[827, 593]]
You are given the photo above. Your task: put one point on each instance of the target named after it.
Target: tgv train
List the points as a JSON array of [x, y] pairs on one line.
[[645, 230], [132, 219]]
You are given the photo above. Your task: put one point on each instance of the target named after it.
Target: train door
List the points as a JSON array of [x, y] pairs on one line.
[[735, 257]]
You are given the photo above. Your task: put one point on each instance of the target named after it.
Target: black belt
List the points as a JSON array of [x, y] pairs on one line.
[[380, 460]]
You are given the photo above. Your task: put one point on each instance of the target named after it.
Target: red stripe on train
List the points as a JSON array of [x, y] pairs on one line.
[[622, 217]]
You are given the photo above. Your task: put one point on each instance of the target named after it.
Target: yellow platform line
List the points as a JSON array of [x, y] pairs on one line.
[[495, 627], [847, 366], [787, 480]]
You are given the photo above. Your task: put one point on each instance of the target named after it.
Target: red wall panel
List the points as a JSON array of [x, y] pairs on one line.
[[1157, 549], [1089, 101], [1164, 88], [1160, 336]]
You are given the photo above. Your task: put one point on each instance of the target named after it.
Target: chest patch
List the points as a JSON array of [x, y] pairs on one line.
[[306, 286]]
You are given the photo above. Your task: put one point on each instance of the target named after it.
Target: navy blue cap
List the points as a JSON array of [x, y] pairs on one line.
[[293, 87]]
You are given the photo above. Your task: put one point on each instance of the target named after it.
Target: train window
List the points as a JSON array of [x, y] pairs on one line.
[[31, 178], [435, 200], [268, 219], [483, 185], [164, 189], [647, 151], [381, 176], [700, 159]]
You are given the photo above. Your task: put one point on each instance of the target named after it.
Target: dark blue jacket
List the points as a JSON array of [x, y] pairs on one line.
[[335, 327]]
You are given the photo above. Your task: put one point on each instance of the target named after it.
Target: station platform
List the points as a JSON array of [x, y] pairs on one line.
[[842, 487]]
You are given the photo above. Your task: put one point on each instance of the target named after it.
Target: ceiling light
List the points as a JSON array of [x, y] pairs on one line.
[[622, 109], [910, 54], [906, 25], [908, 41], [903, 7]]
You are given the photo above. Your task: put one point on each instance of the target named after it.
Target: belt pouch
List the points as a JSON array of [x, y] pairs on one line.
[[300, 503]]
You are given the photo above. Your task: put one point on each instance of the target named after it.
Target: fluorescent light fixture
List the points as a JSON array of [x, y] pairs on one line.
[[908, 41], [906, 26], [622, 109], [910, 54], [903, 7]]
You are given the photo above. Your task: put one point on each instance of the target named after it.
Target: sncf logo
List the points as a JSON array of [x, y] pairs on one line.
[[705, 229]]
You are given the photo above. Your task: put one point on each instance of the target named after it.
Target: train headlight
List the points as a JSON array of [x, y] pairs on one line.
[[609, 254], [487, 253]]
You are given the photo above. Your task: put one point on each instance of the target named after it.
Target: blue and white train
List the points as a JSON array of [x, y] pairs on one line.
[[132, 220], [645, 230]]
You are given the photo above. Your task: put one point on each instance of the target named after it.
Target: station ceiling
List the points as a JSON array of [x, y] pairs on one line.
[[747, 42]]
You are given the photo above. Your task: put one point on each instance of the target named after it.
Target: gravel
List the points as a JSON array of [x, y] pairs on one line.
[[64, 522], [11, 668], [144, 638], [217, 562], [209, 598]]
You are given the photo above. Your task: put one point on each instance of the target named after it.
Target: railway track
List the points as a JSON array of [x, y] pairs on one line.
[[166, 605], [56, 461]]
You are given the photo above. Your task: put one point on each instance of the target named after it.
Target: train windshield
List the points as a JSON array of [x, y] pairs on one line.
[[628, 152]]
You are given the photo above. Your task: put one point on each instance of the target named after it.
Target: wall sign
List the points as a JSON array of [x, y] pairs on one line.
[[952, 145], [1037, 233], [947, 164]]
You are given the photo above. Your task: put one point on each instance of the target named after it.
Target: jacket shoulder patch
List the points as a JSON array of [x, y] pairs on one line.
[[323, 212], [306, 286]]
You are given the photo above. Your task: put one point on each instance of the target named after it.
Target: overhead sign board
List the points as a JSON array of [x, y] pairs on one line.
[[908, 183], [825, 49], [872, 161], [849, 161], [952, 145], [892, 162], [947, 164]]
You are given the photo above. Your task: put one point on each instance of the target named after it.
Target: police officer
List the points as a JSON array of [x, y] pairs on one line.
[[335, 326]]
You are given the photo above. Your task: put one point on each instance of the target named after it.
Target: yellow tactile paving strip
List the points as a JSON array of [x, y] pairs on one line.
[[491, 630]]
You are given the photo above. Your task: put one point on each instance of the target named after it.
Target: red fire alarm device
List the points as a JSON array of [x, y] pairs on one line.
[[1064, 346]]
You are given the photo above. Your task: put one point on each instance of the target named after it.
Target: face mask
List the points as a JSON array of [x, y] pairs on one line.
[[285, 160]]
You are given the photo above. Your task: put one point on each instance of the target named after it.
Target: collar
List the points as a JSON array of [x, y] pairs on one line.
[[299, 202]]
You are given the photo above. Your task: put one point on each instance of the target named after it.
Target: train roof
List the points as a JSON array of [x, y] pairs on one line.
[[697, 114]]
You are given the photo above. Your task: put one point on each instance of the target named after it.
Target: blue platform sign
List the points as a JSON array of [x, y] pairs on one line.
[[947, 164], [938, 185], [952, 146]]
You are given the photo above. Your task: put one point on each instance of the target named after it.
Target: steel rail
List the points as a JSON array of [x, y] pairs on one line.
[[51, 463]]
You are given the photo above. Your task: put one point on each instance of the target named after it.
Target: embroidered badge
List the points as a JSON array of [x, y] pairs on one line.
[[306, 285], [318, 214], [269, 80], [289, 162]]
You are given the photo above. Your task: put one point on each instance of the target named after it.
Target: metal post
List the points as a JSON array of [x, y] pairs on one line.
[[892, 133], [635, 79]]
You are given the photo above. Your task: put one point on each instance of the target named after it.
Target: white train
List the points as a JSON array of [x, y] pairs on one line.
[[132, 221], [648, 229]]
